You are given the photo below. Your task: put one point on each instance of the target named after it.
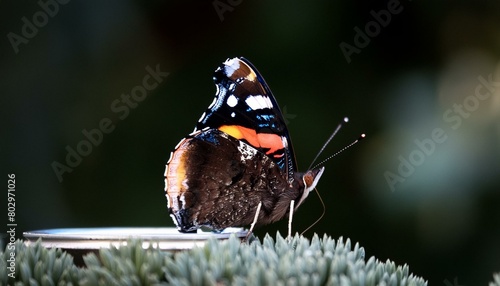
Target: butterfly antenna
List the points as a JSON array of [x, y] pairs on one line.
[[328, 142], [361, 137]]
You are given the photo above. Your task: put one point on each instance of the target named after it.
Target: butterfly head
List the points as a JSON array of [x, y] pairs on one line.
[[311, 178], [307, 182]]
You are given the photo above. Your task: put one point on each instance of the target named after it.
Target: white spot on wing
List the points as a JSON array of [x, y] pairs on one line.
[[232, 101], [194, 133], [168, 162], [215, 99], [246, 151], [231, 65], [202, 117], [284, 141], [233, 114], [175, 220], [177, 146], [182, 198], [257, 102]]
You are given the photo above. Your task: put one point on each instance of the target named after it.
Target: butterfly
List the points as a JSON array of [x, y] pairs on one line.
[[237, 168]]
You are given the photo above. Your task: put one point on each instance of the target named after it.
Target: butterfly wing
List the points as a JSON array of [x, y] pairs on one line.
[[245, 108], [238, 158], [215, 180]]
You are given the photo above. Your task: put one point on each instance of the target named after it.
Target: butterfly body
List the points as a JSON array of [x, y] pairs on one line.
[[237, 168]]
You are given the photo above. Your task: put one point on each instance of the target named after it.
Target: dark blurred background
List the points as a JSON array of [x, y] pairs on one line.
[[403, 72]]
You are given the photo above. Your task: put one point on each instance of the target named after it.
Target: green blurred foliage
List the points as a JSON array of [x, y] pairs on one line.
[[442, 218]]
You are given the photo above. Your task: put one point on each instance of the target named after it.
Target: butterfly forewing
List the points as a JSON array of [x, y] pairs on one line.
[[245, 108]]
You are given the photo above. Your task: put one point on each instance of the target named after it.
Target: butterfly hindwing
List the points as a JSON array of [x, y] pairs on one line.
[[216, 185]]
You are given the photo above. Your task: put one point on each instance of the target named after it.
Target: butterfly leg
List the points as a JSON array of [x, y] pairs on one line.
[[254, 220], [292, 206]]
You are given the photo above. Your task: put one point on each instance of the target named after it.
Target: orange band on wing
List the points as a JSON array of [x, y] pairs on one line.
[[257, 140]]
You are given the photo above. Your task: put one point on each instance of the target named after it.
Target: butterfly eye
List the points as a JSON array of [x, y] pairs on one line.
[[311, 178], [308, 179]]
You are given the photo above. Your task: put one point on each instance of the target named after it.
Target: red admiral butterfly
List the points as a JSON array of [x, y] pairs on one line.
[[237, 168]]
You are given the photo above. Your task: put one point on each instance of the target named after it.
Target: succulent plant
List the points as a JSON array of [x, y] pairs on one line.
[[282, 262], [36, 265], [298, 261], [496, 280]]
